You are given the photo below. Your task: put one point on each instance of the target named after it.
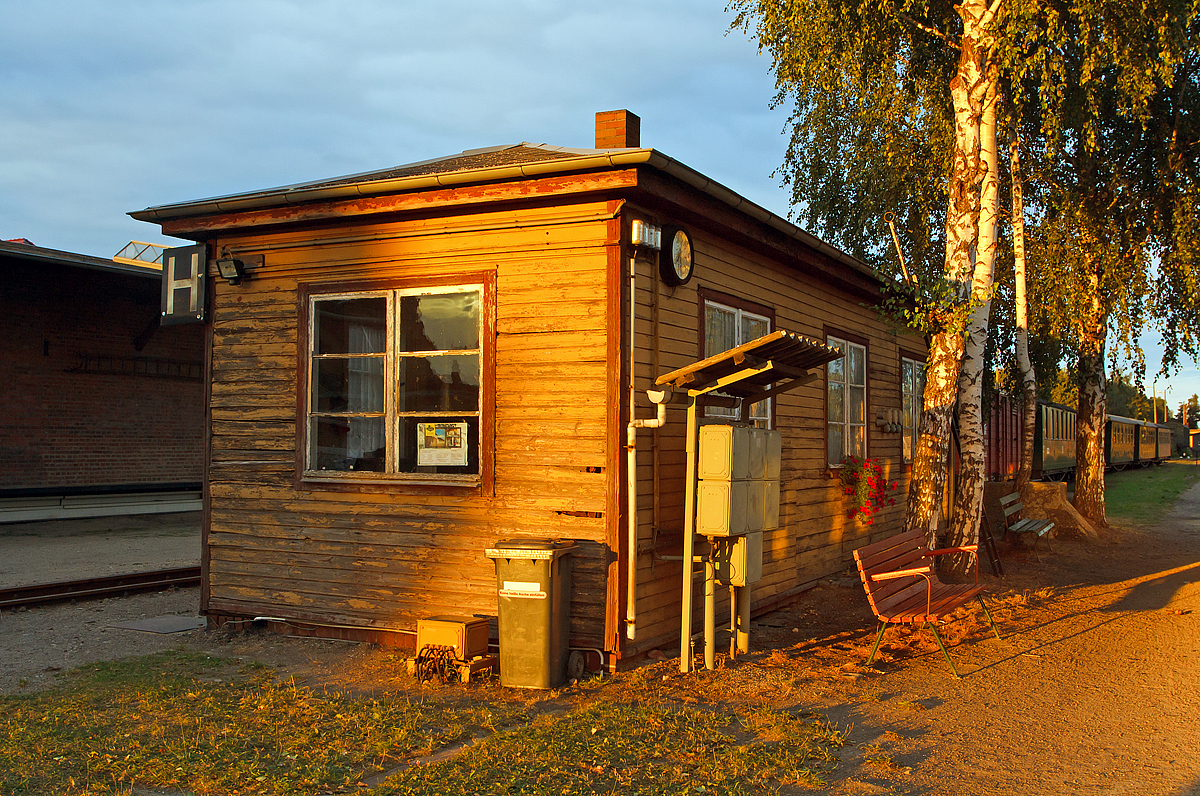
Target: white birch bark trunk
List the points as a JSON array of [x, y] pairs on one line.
[[968, 500], [1024, 363], [928, 481]]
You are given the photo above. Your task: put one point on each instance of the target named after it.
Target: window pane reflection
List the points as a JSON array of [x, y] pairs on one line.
[[446, 322], [348, 385], [348, 443], [438, 384], [754, 328], [351, 326], [720, 330]]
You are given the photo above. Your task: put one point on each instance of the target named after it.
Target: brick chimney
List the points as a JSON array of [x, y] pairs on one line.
[[618, 130]]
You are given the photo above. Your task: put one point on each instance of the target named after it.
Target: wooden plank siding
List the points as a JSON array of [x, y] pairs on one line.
[[815, 539], [383, 559]]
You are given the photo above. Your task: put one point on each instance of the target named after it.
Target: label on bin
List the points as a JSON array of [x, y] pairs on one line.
[[533, 555], [523, 589]]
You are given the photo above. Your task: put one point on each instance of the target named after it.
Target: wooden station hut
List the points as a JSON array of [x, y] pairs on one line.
[[414, 363]]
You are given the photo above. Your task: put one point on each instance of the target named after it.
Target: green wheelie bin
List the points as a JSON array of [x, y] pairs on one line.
[[533, 590]]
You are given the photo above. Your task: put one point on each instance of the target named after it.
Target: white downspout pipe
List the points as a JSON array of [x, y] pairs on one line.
[[660, 397]]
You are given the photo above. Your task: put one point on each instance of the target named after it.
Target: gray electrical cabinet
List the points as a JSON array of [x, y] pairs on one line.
[[739, 560], [737, 491]]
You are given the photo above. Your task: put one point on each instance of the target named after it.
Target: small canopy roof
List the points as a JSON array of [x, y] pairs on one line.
[[761, 363]]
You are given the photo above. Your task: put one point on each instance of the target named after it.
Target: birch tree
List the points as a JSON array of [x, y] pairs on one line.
[[1112, 95], [882, 66], [1028, 376], [968, 498]]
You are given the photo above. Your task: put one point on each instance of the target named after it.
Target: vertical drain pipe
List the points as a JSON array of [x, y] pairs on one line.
[[659, 397]]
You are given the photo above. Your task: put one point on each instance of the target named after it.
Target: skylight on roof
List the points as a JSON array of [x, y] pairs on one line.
[[139, 253]]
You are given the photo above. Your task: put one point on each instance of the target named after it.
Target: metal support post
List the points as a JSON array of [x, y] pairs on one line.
[[743, 618], [689, 542], [710, 612]]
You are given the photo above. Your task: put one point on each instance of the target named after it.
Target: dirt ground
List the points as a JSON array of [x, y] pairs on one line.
[[1093, 689]]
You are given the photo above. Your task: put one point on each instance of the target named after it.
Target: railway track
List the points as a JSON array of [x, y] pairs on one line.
[[93, 588]]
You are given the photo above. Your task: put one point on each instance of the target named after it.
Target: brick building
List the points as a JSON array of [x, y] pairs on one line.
[[100, 403]]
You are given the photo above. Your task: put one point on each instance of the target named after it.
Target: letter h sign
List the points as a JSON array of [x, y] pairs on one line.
[[183, 278]]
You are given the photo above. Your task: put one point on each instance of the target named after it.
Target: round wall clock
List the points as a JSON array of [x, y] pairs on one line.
[[676, 260]]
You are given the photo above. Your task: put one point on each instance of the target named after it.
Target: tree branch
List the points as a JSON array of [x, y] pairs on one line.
[[932, 31], [993, 11]]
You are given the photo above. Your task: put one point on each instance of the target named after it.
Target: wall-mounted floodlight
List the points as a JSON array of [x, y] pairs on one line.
[[231, 269]]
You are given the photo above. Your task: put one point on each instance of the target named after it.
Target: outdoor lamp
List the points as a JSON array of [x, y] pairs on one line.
[[232, 269]]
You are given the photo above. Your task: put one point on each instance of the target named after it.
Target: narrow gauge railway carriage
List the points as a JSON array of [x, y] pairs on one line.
[[1165, 444], [406, 366], [1054, 441], [1126, 441], [1154, 443], [1121, 441]]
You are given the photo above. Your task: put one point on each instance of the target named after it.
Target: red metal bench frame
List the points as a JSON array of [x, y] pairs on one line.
[[900, 578]]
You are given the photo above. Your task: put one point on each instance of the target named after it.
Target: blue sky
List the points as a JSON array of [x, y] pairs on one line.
[[116, 106]]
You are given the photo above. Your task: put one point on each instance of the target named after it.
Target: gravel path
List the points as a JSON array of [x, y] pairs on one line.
[[57, 550], [37, 643]]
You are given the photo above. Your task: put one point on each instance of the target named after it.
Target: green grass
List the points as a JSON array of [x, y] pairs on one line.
[[621, 748], [166, 721], [1145, 495], [194, 724]]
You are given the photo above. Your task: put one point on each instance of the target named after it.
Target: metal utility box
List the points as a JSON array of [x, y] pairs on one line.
[[758, 453], [533, 580], [771, 505], [466, 635], [735, 493], [724, 453], [739, 562], [774, 455], [723, 507]]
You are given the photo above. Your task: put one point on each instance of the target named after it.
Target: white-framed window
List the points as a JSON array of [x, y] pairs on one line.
[[395, 384], [728, 327], [846, 401], [912, 391]]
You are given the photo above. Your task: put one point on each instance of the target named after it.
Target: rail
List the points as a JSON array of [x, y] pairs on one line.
[[94, 588]]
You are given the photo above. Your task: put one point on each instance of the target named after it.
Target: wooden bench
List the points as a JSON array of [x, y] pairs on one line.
[[1012, 507], [902, 585]]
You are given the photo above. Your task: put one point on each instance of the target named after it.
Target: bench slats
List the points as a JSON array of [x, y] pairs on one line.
[[883, 604], [911, 598], [886, 592], [1024, 525], [943, 604], [914, 596], [875, 556], [1040, 527]]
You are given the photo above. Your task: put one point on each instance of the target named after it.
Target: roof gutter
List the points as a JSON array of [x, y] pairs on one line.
[[617, 158]]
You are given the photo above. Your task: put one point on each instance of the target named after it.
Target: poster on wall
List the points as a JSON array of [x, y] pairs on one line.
[[442, 444]]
